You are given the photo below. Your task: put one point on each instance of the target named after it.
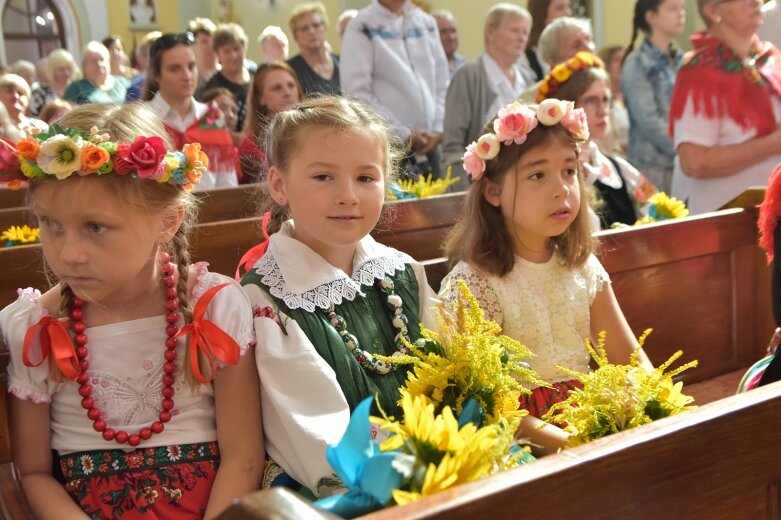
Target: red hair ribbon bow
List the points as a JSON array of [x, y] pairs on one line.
[[206, 336], [55, 340], [257, 251]]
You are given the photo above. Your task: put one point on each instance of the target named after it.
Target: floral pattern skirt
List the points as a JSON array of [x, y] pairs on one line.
[[165, 482], [541, 399]]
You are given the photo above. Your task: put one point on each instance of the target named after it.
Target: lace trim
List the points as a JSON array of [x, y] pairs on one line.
[[332, 292], [199, 287], [478, 285], [33, 395]]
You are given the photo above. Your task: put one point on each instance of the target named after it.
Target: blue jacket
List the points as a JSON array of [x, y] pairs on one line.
[[647, 82]]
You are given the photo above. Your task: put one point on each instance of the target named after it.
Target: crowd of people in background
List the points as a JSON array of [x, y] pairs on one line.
[[405, 63]]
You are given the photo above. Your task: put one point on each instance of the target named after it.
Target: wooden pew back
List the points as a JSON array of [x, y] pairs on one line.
[[717, 462]]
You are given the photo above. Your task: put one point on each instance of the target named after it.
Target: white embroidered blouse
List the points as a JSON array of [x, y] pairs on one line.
[[544, 306], [126, 366], [304, 409]]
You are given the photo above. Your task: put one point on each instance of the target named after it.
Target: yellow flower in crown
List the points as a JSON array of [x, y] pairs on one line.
[[561, 72]]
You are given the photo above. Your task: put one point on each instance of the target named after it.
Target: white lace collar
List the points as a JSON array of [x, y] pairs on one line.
[[303, 279]]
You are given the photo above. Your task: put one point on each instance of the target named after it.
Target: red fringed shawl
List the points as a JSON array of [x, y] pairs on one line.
[[770, 212], [722, 85], [215, 139]]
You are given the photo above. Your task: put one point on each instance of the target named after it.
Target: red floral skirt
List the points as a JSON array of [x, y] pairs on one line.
[[166, 482], [541, 398]]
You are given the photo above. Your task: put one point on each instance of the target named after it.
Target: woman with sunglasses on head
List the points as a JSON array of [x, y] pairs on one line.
[[169, 91], [726, 107], [623, 191]]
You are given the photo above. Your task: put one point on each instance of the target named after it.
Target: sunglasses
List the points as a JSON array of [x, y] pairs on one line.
[[169, 40]]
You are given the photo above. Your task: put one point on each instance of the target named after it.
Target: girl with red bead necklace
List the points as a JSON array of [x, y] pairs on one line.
[[327, 297], [135, 369]]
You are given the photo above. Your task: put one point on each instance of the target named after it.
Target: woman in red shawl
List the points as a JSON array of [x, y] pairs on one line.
[[726, 107]]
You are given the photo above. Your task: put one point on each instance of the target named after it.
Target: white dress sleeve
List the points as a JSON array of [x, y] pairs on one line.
[[595, 276], [480, 287], [303, 407], [24, 382], [230, 309]]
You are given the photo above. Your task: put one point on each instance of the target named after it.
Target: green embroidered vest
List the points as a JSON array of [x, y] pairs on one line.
[[369, 319]]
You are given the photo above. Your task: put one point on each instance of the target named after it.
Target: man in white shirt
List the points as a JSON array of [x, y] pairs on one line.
[[392, 58]]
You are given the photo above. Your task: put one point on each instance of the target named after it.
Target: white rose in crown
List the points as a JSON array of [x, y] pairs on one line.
[[487, 147], [551, 111]]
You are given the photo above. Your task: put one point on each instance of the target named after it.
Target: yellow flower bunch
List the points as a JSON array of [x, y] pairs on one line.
[[425, 186], [467, 357], [435, 454], [663, 207], [619, 397], [562, 72], [18, 235]]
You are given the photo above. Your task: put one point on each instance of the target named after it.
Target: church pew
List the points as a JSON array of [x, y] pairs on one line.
[[213, 205], [718, 462], [12, 198], [415, 226]]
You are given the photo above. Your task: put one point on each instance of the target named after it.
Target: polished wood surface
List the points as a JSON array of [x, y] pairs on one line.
[[12, 198]]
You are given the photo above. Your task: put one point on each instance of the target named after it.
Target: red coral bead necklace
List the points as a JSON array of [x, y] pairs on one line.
[[169, 368]]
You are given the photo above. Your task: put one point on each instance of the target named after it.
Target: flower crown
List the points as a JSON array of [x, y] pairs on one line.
[[514, 123], [61, 152], [562, 72]]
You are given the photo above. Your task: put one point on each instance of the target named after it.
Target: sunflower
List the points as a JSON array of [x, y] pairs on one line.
[[17, 235], [664, 207], [442, 454]]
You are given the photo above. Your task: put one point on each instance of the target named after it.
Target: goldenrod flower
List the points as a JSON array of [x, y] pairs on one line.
[[424, 186], [16, 235], [619, 397]]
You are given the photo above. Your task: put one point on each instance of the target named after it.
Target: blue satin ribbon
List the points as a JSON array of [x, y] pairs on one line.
[[367, 473]]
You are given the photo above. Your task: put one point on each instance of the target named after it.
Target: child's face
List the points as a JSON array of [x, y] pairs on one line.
[[334, 187], [540, 198], [102, 247]]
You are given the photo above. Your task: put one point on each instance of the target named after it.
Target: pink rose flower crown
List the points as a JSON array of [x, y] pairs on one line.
[[513, 124], [62, 152]]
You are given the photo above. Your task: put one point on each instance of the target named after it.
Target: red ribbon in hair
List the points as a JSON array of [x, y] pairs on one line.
[[207, 337], [257, 251], [55, 340]]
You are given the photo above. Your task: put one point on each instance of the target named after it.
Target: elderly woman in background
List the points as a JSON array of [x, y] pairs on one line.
[[229, 42], [61, 69], [15, 96], [98, 85], [726, 107], [480, 88], [273, 44], [316, 66], [117, 57], [274, 88]]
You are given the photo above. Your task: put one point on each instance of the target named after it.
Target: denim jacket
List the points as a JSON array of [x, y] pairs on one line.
[[647, 82]]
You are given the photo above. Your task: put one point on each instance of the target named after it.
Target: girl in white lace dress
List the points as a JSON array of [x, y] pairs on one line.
[[523, 245], [136, 368], [327, 297]]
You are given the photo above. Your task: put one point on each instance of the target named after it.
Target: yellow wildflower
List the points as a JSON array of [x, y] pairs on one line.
[[619, 397], [424, 186]]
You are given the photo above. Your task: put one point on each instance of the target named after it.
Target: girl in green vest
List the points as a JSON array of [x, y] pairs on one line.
[[327, 297]]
